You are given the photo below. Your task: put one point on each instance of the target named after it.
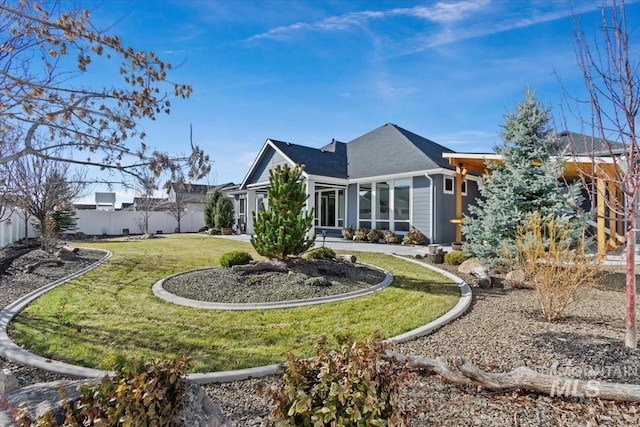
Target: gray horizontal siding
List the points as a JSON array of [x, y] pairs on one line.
[[270, 160], [421, 206]]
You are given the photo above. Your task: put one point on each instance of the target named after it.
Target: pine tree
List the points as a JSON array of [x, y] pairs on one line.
[[210, 209], [283, 229], [527, 182]]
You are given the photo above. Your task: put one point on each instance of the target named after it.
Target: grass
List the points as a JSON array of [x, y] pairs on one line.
[[110, 314]]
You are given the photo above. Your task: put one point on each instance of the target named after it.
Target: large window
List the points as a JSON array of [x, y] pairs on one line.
[[401, 204], [329, 208], [385, 205], [364, 203], [382, 205], [340, 208]]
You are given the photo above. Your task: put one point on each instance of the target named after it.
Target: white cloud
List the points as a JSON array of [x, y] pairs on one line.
[[477, 138], [441, 12]]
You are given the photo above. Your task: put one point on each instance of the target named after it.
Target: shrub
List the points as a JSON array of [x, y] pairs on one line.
[[391, 237], [347, 233], [321, 253], [559, 269], [456, 257], [414, 237], [229, 259], [374, 235], [345, 387], [144, 394], [361, 234], [283, 230]]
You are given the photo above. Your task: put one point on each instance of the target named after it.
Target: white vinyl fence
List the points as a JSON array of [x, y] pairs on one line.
[[112, 223], [13, 229]]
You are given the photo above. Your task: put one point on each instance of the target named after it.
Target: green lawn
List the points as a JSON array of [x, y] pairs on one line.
[[110, 313]]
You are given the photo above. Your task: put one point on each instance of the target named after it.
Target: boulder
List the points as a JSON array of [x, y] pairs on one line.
[[66, 254], [480, 273], [469, 265], [515, 279], [8, 382], [317, 281], [38, 399]]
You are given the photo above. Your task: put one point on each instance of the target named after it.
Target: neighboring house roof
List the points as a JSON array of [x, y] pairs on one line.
[[330, 160], [577, 144], [391, 149]]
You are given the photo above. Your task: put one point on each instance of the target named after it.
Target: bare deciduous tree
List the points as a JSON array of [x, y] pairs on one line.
[[41, 187], [610, 64], [44, 54]]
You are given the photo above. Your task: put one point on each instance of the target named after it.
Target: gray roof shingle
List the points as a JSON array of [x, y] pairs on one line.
[[391, 149], [386, 150]]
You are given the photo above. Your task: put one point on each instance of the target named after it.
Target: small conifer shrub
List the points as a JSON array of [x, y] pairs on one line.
[[231, 258], [321, 253], [283, 230], [456, 257]]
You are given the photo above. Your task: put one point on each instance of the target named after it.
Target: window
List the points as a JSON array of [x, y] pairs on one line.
[[364, 203], [340, 208], [401, 204], [382, 205], [464, 188], [448, 185]]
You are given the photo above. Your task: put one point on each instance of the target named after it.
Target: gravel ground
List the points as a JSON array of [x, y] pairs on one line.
[[14, 283], [224, 285], [501, 331]]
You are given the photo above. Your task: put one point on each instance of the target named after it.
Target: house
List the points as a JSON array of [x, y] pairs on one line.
[[589, 160], [389, 178]]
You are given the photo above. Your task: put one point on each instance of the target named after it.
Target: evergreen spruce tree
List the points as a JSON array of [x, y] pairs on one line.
[[526, 183], [210, 209], [283, 229]]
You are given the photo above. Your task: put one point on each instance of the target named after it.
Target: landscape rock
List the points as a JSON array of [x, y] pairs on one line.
[[8, 382], [470, 264], [515, 279], [64, 254], [317, 281], [480, 273], [38, 399]]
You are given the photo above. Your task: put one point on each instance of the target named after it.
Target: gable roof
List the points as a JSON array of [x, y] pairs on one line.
[[577, 144], [391, 149], [387, 150], [330, 160]]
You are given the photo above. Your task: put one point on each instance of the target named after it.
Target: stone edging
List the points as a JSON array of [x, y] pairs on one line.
[[11, 351], [167, 296]]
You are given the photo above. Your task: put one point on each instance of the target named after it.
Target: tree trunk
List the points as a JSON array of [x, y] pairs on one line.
[[520, 378], [631, 336]]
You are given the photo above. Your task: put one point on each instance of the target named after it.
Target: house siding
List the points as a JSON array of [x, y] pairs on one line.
[[421, 205], [444, 212], [352, 206], [271, 160]]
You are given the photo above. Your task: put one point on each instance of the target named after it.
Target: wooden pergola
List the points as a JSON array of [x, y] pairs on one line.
[[600, 171]]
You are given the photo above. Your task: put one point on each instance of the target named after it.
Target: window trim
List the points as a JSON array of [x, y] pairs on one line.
[[444, 185]]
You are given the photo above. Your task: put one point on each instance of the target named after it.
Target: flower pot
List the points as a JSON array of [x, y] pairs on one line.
[[227, 231], [456, 246]]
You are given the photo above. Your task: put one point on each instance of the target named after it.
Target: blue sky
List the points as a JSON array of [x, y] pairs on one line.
[[309, 71]]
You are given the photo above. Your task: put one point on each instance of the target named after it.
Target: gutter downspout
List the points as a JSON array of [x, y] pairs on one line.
[[432, 208]]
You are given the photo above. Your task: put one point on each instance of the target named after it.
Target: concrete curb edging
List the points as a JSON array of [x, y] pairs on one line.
[[458, 310], [11, 351], [167, 296]]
